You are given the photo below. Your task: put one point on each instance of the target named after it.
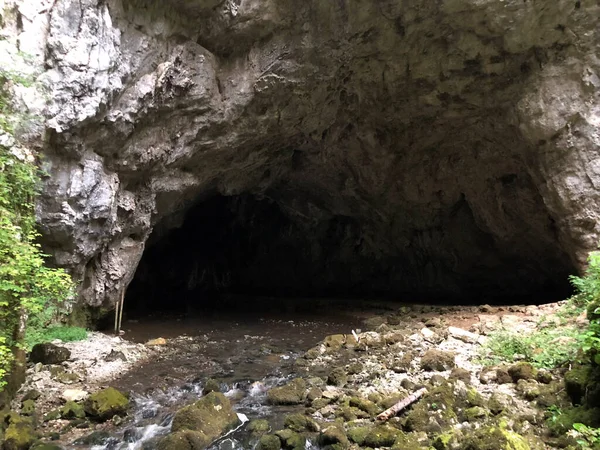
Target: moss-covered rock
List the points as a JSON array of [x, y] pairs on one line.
[[28, 408], [183, 440], [47, 353], [105, 404], [576, 381], [269, 442], [499, 402], [381, 436], [258, 426], [333, 437], [358, 434], [563, 422], [522, 371], [208, 418], [19, 433], [434, 411], [338, 377], [211, 385], [291, 440], [52, 415], [365, 405], [45, 446], [475, 413], [300, 422], [72, 410], [289, 394], [494, 438]]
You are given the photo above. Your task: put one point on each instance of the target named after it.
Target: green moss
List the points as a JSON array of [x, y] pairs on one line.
[[576, 381], [105, 404], [291, 440], [269, 442], [365, 405], [474, 398], [494, 438], [381, 436], [258, 426], [289, 394], [358, 434], [28, 408], [20, 434], [208, 418], [183, 440], [563, 422], [72, 410], [474, 413], [300, 422]]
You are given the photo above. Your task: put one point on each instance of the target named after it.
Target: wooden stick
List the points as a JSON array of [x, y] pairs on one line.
[[121, 310], [116, 316], [391, 412]]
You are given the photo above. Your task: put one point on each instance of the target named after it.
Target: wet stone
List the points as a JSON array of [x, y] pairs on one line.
[[437, 360]]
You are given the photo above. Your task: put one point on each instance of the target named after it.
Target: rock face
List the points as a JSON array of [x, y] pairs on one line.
[[433, 147]]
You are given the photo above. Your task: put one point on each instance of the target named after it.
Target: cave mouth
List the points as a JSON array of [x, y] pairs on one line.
[[227, 249]]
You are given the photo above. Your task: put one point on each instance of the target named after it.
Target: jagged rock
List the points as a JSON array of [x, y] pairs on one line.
[[453, 134], [47, 353]]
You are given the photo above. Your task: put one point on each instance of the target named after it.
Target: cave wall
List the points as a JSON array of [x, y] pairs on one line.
[[459, 138]]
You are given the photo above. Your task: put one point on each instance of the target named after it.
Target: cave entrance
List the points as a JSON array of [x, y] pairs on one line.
[[226, 249]]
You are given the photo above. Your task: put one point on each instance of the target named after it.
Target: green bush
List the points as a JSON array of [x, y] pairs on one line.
[[28, 289], [544, 349]]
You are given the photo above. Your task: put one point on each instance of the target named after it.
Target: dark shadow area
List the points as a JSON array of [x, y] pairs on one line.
[[229, 249]]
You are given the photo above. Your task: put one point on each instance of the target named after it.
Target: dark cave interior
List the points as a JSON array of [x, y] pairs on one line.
[[230, 248]]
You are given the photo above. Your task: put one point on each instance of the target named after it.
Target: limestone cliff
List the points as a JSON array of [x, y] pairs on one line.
[[439, 145]]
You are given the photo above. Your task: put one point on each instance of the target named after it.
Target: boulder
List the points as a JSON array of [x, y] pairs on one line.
[[19, 433], [289, 394], [72, 410], [437, 360], [269, 442], [47, 353], [206, 419], [74, 395], [522, 371], [105, 404]]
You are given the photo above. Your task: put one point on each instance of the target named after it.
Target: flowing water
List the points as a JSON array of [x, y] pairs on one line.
[[247, 352]]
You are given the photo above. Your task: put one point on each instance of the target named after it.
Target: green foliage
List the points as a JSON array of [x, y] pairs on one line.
[[545, 349], [28, 289], [588, 294], [36, 335], [587, 437], [588, 286]]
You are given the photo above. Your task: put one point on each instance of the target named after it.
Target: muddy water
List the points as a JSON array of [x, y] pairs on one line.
[[247, 352]]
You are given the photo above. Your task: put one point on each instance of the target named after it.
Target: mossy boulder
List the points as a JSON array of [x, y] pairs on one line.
[[358, 434], [28, 408], [576, 381], [522, 371], [495, 438], [72, 410], [105, 404], [563, 422], [290, 394], [434, 411], [381, 436], [45, 446], [183, 440], [338, 377], [269, 442], [333, 437], [99, 437], [208, 418], [19, 433], [291, 440], [258, 426], [211, 385], [299, 422], [365, 405], [475, 413]]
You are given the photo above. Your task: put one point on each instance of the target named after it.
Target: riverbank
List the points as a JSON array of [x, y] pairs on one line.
[[352, 366]]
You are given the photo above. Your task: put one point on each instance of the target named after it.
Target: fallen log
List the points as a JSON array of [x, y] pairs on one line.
[[391, 412]]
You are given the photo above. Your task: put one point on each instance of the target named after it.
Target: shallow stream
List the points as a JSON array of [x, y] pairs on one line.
[[247, 352]]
